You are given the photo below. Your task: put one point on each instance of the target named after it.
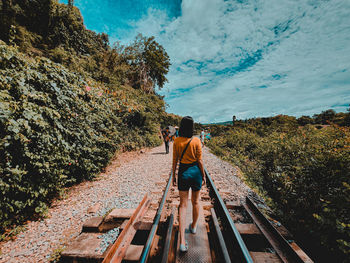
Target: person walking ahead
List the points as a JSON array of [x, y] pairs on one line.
[[202, 137], [166, 138], [188, 150]]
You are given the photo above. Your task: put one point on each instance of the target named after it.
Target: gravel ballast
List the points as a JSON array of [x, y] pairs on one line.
[[122, 185]]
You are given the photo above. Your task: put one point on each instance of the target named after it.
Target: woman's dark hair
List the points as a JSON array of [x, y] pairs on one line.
[[186, 127]]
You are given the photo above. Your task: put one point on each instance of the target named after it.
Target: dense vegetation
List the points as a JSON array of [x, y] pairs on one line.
[[324, 118], [68, 102], [303, 171]]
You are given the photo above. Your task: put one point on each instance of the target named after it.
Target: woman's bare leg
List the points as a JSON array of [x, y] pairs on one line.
[[195, 207], [182, 215]]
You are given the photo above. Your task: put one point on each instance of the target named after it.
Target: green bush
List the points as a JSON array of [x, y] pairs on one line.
[[303, 173], [58, 128]]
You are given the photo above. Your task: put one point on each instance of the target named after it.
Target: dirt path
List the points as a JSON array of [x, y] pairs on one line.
[[123, 185]]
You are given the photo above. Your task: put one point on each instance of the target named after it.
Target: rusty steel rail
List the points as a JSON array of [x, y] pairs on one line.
[[277, 241], [147, 248], [168, 237], [118, 249], [223, 248], [226, 217]]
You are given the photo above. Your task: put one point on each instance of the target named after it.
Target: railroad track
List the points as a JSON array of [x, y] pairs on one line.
[[228, 231]]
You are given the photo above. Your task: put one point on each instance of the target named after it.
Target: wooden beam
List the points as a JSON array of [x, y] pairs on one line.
[[118, 250]]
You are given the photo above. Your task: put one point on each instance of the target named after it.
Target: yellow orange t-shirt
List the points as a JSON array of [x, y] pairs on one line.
[[193, 152]]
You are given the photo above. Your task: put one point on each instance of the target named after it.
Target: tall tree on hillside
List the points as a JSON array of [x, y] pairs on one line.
[[325, 117], [347, 117], [304, 120], [233, 119], [70, 2], [150, 62]]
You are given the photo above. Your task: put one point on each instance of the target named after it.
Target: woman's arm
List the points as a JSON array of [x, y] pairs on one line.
[[201, 168], [174, 170], [199, 160], [175, 160]]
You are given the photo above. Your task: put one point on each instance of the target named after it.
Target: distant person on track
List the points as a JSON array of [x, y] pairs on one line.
[[202, 137], [208, 136], [166, 138], [188, 151]]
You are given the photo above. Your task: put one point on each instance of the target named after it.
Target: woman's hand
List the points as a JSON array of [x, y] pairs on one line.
[[204, 181], [174, 182]]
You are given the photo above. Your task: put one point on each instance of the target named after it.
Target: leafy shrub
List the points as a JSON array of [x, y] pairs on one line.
[[304, 173], [59, 55], [58, 128]]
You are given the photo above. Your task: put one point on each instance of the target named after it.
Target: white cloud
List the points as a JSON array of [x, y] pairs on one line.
[[254, 58]]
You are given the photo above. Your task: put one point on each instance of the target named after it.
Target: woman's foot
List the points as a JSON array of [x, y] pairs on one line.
[[193, 230], [184, 248]]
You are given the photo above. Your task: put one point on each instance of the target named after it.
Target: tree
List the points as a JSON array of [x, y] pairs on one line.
[[303, 120], [325, 117], [157, 61], [150, 62], [104, 40], [117, 63], [70, 2], [347, 117], [233, 119]]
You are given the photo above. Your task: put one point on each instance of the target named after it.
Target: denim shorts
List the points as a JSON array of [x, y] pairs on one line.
[[189, 177]]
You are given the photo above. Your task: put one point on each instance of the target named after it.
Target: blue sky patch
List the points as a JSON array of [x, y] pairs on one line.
[[296, 56]]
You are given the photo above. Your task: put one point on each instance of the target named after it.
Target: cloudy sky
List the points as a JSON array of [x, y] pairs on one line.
[[247, 58]]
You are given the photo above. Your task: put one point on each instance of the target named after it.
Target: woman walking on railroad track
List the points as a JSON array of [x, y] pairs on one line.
[[188, 151]]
